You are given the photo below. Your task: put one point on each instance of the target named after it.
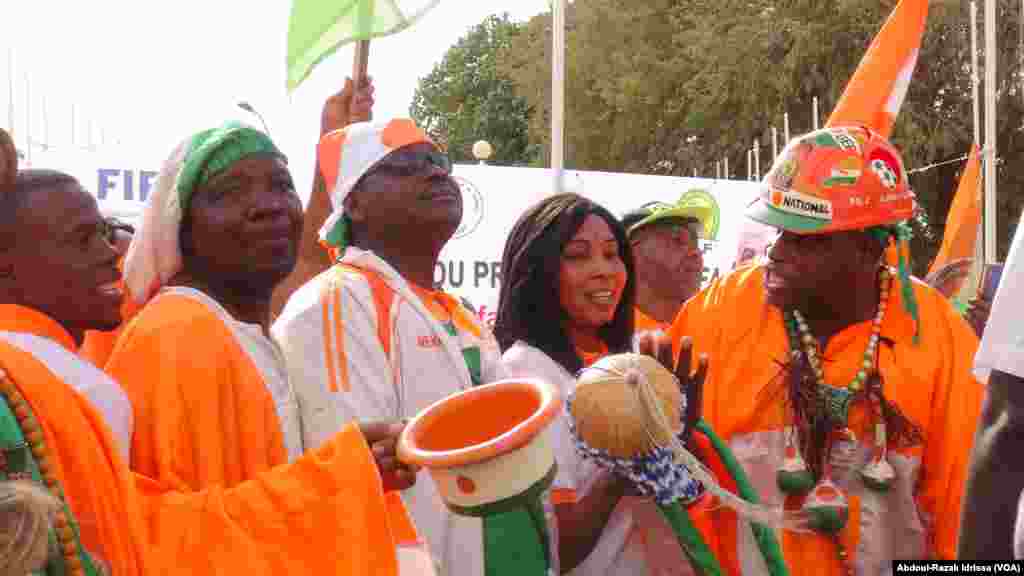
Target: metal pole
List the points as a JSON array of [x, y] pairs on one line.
[[814, 111], [775, 144], [558, 92], [975, 79], [10, 91], [990, 131], [979, 244], [28, 121], [718, 170], [46, 126], [726, 167], [750, 165], [785, 126], [757, 160]]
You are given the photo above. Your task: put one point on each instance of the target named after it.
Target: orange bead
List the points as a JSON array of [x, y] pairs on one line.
[[61, 520], [34, 437]]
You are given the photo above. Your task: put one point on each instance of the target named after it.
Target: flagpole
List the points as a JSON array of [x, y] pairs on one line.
[[990, 131], [46, 126], [28, 122], [558, 92], [10, 91], [975, 80], [757, 160], [979, 244]]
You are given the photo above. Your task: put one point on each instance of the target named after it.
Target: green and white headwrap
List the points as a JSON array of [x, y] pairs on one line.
[[155, 252]]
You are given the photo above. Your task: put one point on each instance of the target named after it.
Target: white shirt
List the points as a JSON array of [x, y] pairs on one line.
[[1002, 345], [330, 334], [635, 529]]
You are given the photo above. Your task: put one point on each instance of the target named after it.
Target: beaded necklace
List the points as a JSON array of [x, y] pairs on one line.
[[825, 502], [76, 561]]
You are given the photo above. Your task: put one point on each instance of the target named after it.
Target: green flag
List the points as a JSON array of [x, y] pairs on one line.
[[319, 27]]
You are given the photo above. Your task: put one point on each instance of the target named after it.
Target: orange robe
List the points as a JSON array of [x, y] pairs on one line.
[[745, 403], [203, 414], [323, 514]]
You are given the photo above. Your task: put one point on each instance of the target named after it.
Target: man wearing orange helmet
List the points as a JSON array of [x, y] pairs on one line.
[[844, 387]]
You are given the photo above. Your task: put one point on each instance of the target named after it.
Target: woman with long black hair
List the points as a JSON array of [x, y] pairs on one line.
[[566, 300]]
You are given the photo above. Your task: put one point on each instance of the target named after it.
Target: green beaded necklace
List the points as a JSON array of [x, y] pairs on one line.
[[826, 504]]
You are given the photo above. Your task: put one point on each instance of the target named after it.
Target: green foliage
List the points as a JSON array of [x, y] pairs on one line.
[[467, 98], [669, 86]]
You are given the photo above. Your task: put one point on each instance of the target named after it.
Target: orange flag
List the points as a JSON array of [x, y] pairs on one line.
[[878, 86], [964, 216]]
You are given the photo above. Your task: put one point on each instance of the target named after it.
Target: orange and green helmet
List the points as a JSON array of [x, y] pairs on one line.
[[834, 179]]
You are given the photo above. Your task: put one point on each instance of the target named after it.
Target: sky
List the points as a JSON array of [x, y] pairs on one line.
[[148, 73]]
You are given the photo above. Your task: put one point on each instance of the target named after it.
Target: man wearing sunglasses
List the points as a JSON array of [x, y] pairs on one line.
[[372, 338], [666, 253]]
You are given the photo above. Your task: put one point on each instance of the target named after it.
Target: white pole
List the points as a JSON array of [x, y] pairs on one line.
[[28, 122], [726, 167], [785, 126], [757, 160], [10, 91], [46, 126], [558, 92], [979, 244], [975, 80], [694, 172], [990, 131], [750, 165], [814, 112], [718, 170], [775, 144]]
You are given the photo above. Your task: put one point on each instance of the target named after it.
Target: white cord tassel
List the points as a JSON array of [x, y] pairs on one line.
[[771, 517]]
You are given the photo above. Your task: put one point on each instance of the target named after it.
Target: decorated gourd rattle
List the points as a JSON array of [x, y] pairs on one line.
[[625, 414], [488, 457]]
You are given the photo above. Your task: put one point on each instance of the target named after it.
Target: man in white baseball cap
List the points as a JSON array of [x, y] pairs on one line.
[[371, 338]]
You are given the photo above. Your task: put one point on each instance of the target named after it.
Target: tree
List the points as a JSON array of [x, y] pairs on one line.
[[466, 98], [666, 86]]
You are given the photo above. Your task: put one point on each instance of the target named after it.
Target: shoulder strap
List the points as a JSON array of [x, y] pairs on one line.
[[383, 297]]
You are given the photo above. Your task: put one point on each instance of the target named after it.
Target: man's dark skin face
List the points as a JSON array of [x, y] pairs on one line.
[[404, 190], [809, 272], [244, 227], [62, 263]]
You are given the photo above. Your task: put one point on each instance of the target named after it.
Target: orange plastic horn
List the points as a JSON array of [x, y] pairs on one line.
[[485, 445]]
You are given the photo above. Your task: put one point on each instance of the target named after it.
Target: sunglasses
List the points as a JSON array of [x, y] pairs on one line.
[[413, 162]]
